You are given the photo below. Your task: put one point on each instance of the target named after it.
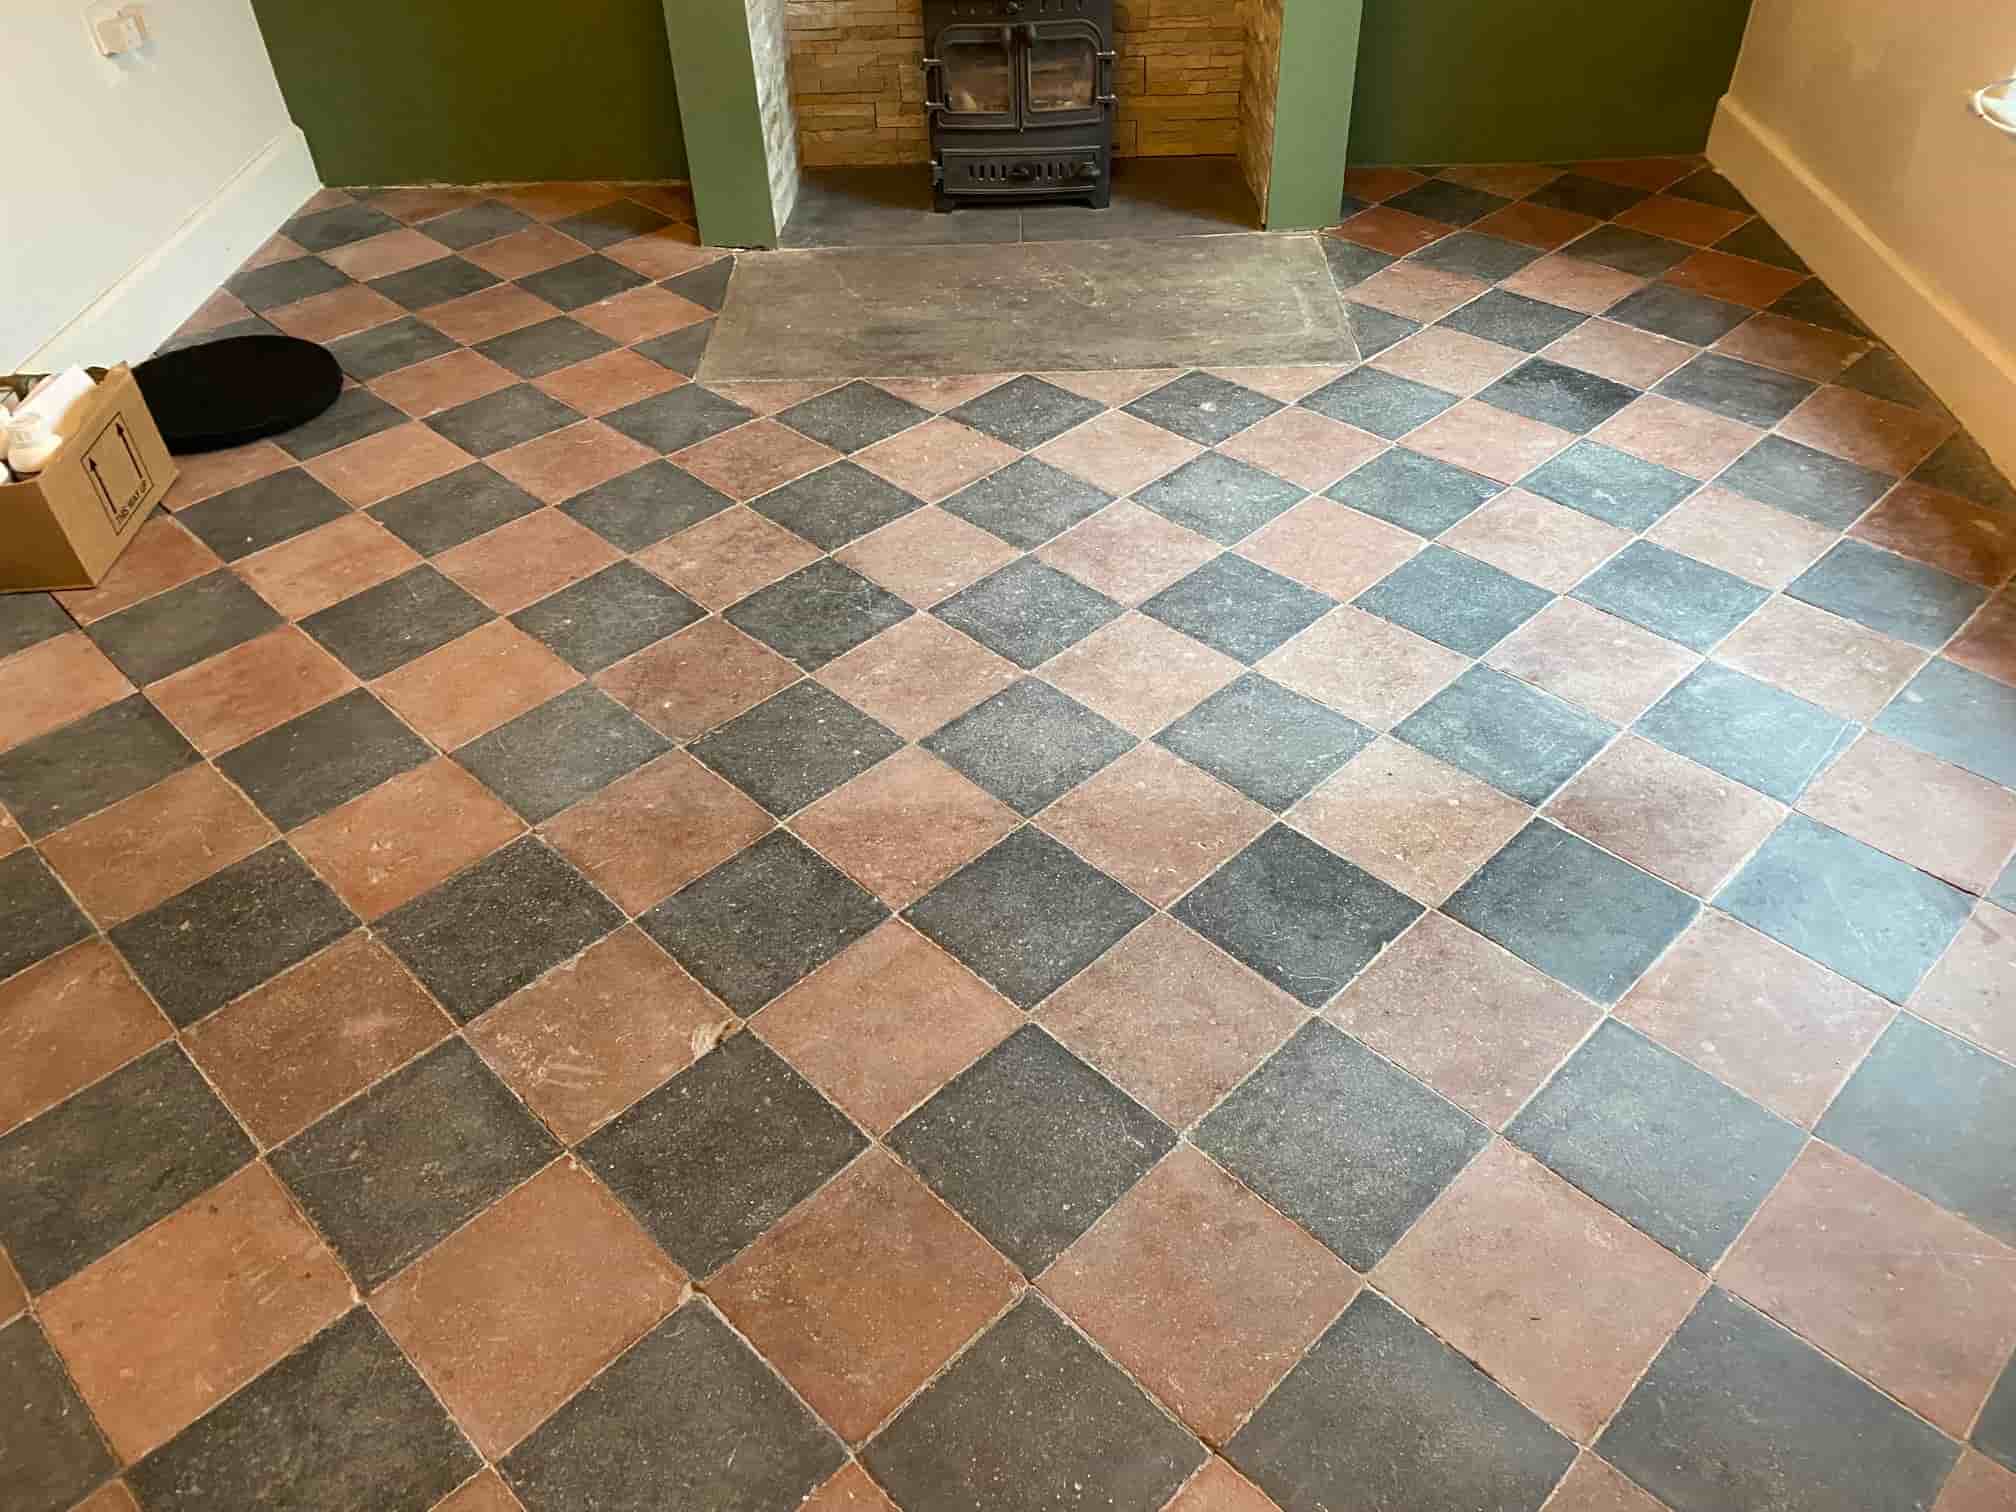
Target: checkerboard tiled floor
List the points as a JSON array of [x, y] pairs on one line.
[[1435, 936]]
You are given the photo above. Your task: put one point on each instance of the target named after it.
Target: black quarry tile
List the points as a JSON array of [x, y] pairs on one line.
[[1476, 255], [1708, 187], [388, 348], [679, 350], [606, 225], [706, 286], [1031, 1146], [1454, 600], [1758, 396], [584, 281], [511, 416], [1450, 203], [51, 1451], [475, 224], [162, 635], [762, 920], [1962, 466], [1375, 330], [90, 764], [1204, 408], [599, 620], [284, 283], [1513, 320], [1029, 744], [356, 414], [545, 347], [1565, 397], [1579, 194], [326, 230], [722, 1151], [1629, 251], [852, 416], [645, 505], [1220, 497], [1379, 402], [497, 926], [390, 1174], [447, 511], [1027, 502], [1271, 743], [1414, 492], [1805, 482], [837, 504], [1816, 304], [818, 613], [566, 749], [1238, 607], [231, 931], [1995, 1430], [1610, 485], [1762, 736], [1025, 412], [1351, 264], [1658, 1141], [319, 760], [37, 918], [1671, 595], [262, 513], [1948, 710], [796, 747], [1757, 241], [1520, 740], [28, 619], [1027, 915], [1882, 374], [1888, 593], [1665, 310]]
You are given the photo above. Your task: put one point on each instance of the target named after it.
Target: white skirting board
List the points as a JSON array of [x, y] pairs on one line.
[[1973, 372], [146, 306]]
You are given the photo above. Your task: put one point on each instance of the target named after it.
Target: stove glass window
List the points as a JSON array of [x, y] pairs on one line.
[[1062, 71], [977, 78]]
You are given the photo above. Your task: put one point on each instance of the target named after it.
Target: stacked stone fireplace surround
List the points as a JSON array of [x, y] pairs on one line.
[[1193, 77]]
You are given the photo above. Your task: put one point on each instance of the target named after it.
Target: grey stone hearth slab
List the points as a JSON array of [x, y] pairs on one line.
[[1216, 301]]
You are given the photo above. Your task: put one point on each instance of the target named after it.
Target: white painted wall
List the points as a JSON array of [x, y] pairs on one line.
[[133, 186], [1848, 126]]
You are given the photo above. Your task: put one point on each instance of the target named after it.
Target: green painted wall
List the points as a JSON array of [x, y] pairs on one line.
[[463, 91], [1508, 81]]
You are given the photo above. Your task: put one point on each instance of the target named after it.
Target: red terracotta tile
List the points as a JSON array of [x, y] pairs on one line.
[[14, 1298], [940, 394], [1449, 360], [443, 382], [533, 250], [640, 314], [1201, 1291], [1953, 534], [144, 849], [1738, 280], [572, 460], [886, 1023], [862, 1293], [1977, 1484], [1682, 220], [482, 1493], [1676, 435], [936, 459], [609, 382], [752, 459], [1172, 1020], [368, 471], [340, 312], [766, 396], [1891, 438], [488, 312], [1590, 658], [1988, 642], [1619, 353], [1661, 812], [1376, 184], [1955, 825], [163, 556], [1652, 173], [385, 254], [1472, 1021], [1770, 1023], [208, 474], [1128, 553], [1534, 225], [647, 835], [1391, 231], [172, 1322], [592, 1036], [1968, 991], [511, 1315], [1329, 546], [249, 689], [474, 683], [1139, 673], [520, 563], [1573, 283], [702, 677], [1889, 1283], [1826, 660], [1592, 1486], [1304, 447], [388, 846], [1287, 384], [1409, 819], [1536, 539], [1217, 1487], [1739, 535], [665, 253], [727, 557], [274, 249], [1417, 291], [927, 555], [1116, 386], [673, 197], [11, 838], [423, 202], [1558, 1299], [1365, 666], [555, 201], [326, 565], [110, 1497], [53, 683], [1513, 181], [1792, 346], [918, 675], [289, 1051], [220, 309], [849, 1490], [327, 199], [50, 1047], [1117, 452], [1488, 440], [1155, 822], [905, 825]]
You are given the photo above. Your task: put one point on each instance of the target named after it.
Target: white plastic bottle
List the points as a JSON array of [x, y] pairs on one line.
[[35, 430]]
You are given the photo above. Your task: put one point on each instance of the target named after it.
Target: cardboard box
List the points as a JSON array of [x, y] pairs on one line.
[[66, 527]]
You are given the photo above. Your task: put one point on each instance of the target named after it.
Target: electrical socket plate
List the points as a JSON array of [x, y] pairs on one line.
[[115, 28]]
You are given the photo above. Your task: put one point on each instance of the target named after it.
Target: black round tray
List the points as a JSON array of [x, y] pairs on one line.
[[226, 393]]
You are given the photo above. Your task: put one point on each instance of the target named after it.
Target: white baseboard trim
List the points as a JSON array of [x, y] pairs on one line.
[[1964, 362], [146, 306]]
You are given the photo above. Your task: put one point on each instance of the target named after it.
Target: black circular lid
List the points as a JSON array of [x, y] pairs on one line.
[[226, 393]]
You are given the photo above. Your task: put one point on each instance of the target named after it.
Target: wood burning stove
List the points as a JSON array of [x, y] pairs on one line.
[[1020, 96]]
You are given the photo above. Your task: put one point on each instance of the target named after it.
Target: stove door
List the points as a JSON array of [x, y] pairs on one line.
[[976, 76], [1066, 76]]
